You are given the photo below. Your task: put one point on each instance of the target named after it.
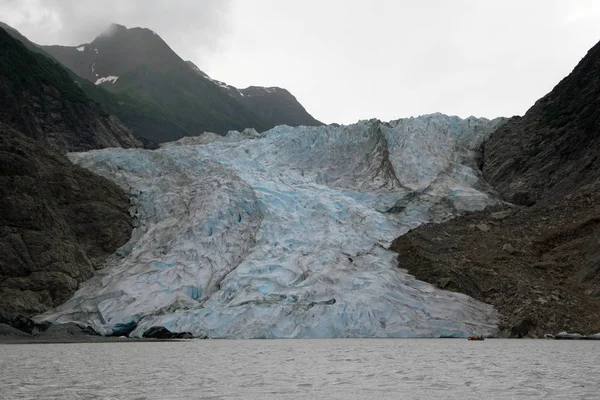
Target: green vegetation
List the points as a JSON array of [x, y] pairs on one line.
[[144, 118], [157, 94], [26, 70], [168, 101]]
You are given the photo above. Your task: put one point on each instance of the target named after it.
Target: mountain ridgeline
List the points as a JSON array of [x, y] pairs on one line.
[[273, 104], [553, 151], [159, 96]]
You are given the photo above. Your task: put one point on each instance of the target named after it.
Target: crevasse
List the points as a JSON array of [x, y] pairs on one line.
[[284, 234]]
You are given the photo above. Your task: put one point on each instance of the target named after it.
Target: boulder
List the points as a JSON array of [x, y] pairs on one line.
[[509, 249], [22, 323], [523, 328], [29, 326], [7, 332], [68, 332], [160, 332]]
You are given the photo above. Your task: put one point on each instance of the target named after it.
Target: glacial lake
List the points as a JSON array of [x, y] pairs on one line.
[[303, 369]]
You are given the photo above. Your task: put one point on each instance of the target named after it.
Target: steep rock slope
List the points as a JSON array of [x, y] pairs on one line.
[[283, 234], [273, 104], [151, 80], [40, 99], [58, 223], [539, 265], [555, 148]]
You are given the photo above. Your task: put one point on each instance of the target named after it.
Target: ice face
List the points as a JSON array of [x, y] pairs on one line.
[[284, 234]]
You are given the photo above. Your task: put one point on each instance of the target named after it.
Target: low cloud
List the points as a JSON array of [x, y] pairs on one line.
[[187, 25]]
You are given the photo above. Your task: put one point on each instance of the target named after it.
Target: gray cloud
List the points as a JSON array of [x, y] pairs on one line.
[[189, 26]]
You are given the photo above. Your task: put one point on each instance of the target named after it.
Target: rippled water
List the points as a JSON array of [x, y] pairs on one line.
[[291, 369]]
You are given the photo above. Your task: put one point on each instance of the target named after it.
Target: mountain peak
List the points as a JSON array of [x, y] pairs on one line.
[[114, 29], [121, 32], [115, 52]]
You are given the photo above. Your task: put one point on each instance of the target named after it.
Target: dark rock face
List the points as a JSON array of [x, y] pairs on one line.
[[22, 323], [7, 331], [40, 99], [555, 148], [29, 326], [160, 332], [58, 224], [539, 262]]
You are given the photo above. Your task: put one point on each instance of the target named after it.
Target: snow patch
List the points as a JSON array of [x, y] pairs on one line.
[[111, 79], [81, 48], [219, 83]]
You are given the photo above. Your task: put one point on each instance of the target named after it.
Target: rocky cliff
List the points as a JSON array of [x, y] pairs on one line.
[[537, 262], [554, 149], [58, 224]]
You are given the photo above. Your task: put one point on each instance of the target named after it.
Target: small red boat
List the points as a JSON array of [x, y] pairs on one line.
[[476, 338]]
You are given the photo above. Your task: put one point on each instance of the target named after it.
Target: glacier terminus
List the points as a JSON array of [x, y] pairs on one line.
[[284, 234]]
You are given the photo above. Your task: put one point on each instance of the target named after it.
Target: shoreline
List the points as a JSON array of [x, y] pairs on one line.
[[91, 340]]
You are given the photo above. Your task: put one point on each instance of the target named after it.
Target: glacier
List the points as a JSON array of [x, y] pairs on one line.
[[284, 234]]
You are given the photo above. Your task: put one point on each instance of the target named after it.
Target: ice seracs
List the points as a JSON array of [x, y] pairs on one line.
[[283, 234]]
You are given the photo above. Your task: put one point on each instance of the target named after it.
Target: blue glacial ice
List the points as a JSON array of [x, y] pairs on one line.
[[284, 234]]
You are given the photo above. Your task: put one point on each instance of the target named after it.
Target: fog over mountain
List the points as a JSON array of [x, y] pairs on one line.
[[383, 59], [186, 23]]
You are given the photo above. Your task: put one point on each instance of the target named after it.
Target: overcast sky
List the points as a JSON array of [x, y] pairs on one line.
[[348, 60]]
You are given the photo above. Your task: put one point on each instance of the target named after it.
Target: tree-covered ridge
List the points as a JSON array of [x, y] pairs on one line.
[[27, 70]]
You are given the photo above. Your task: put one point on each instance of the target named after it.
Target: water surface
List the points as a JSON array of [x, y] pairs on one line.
[[299, 369]]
